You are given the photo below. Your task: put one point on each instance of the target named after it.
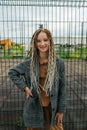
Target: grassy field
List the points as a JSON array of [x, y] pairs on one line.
[[19, 52], [80, 53]]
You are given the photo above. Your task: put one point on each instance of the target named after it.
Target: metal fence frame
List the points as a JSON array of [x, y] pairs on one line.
[[74, 55]]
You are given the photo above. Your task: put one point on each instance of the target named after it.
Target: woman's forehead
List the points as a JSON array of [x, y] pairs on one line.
[[42, 35]]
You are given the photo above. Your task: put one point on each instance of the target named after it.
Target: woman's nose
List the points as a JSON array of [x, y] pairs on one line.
[[42, 42]]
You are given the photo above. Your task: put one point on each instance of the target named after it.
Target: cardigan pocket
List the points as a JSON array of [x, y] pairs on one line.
[[32, 105], [32, 111]]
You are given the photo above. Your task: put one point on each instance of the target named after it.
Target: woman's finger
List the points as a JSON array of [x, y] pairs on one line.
[[59, 120]]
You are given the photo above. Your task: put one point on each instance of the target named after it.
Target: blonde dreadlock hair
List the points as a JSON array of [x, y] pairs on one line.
[[34, 56]]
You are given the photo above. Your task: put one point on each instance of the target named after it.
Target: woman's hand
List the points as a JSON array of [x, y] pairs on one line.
[[59, 117], [28, 92]]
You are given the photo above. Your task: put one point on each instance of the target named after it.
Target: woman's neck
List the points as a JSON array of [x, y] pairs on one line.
[[43, 55], [43, 58]]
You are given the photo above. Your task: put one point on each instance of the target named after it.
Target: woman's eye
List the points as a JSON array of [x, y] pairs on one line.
[[38, 40], [45, 40]]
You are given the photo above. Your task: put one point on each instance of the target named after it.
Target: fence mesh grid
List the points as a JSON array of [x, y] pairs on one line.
[[67, 20]]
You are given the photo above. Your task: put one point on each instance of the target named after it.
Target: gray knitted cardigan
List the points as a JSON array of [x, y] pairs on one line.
[[33, 111]]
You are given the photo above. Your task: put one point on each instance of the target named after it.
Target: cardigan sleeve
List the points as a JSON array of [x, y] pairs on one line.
[[62, 88], [16, 74]]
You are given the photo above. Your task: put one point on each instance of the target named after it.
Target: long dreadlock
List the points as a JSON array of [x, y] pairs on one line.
[[34, 56]]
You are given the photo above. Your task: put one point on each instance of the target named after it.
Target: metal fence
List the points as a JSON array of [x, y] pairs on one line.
[[67, 20]]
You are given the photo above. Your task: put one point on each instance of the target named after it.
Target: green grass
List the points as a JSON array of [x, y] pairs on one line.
[[80, 53], [15, 52], [19, 52]]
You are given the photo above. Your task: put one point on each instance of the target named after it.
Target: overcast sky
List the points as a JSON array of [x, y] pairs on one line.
[[22, 21]]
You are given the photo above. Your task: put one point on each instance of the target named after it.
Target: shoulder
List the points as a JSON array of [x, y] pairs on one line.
[[22, 65], [25, 62], [59, 60], [60, 64]]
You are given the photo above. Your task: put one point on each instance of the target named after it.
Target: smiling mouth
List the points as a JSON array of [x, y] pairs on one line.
[[43, 47]]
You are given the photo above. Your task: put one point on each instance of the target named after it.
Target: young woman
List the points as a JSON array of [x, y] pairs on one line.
[[42, 77]]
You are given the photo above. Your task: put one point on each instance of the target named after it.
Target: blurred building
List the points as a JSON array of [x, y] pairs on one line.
[[6, 44]]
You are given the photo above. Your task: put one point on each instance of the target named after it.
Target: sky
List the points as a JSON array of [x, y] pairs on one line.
[[18, 23]]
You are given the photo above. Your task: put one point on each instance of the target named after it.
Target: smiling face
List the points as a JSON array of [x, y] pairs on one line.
[[42, 42]]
